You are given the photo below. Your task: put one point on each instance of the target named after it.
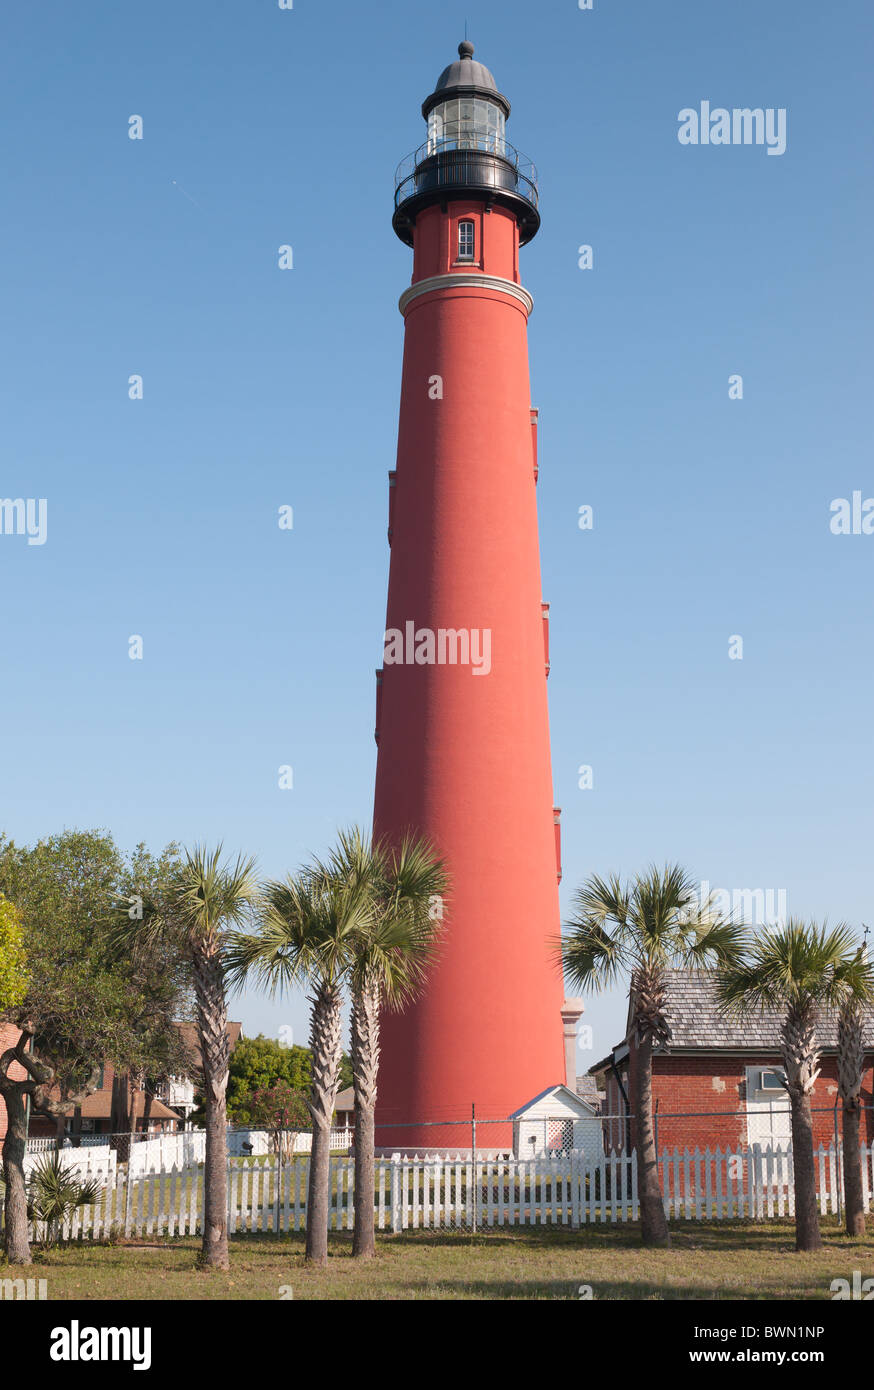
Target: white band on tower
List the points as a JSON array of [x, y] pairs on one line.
[[470, 280]]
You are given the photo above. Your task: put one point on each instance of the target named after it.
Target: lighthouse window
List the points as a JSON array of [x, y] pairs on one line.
[[466, 241]]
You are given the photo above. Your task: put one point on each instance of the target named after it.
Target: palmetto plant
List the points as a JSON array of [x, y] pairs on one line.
[[391, 953], [55, 1193], [209, 901], [798, 969], [641, 928], [305, 936]]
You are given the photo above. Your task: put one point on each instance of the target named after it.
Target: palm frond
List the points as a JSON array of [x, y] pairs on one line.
[[407, 882], [305, 930], [651, 923], [591, 957], [798, 966]]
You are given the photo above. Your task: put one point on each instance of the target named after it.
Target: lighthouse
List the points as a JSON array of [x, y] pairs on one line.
[[462, 724]]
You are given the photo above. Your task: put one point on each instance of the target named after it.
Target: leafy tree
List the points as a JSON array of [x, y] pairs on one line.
[[257, 1065], [798, 969], [643, 927], [346, 1075], [160, 988], [80, 1007], [283, 1112], [13, 967]]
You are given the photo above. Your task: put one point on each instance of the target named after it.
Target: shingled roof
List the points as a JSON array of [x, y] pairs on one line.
[[696, 1022]]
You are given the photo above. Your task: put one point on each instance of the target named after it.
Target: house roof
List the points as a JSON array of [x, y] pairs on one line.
[[345, 1099], [551, 1091], [98, 1106], [697, 1025]]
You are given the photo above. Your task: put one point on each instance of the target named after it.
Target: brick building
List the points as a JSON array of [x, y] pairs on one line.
[[719, 1081]]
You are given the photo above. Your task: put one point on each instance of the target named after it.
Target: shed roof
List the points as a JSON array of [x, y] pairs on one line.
[[582, 1107]]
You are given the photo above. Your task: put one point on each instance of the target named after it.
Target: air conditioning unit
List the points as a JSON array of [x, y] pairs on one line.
[[771, 1081]]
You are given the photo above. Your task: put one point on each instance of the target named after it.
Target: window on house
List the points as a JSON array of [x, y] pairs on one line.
[[466, 241]]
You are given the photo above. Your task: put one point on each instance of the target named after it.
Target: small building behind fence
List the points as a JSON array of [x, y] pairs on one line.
[[556, 1122]]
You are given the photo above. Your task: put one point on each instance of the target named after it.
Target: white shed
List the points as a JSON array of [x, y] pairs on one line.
[[556, 1122]]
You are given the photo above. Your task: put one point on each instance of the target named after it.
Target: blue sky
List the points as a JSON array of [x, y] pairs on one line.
[[263, 387]]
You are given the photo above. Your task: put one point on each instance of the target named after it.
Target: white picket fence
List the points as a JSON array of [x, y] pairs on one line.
[[42, 1145], [162, 1152], [427, 1192], [93, 1162], [157, 1154], [755, 1184], [261, 1141]]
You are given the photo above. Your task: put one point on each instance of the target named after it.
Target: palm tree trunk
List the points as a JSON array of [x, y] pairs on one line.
[[133, 1086], [653, 1223], [801, 1061], [14, 1147], [854, 1201], [118, 1116], [326, 1046], [851, 1067], [807, 1234], [212, 1019], [365, 1067]]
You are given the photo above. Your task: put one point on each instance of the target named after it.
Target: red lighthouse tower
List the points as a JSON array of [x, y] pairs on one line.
[[462, 720]]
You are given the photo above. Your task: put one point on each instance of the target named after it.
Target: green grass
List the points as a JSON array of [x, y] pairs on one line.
[[723, 1260]]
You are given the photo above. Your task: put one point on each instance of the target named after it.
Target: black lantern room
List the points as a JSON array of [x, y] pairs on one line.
[[467, 153]]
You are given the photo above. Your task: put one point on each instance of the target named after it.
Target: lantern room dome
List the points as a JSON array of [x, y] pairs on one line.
[[465, 77]]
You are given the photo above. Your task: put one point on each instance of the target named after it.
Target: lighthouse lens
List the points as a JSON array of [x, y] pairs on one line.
[[466, 125]]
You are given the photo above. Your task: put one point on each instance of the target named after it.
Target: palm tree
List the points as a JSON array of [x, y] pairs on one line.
[[798, 969], [207, 903], [858, 977], [305, 937], [645, 927], [390, 960]]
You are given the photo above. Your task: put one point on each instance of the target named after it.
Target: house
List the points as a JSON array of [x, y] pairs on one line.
[[154, 1113], [344, 1109], [555, 1123], [718, 1081], [178, 1091], [94, 1115]]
